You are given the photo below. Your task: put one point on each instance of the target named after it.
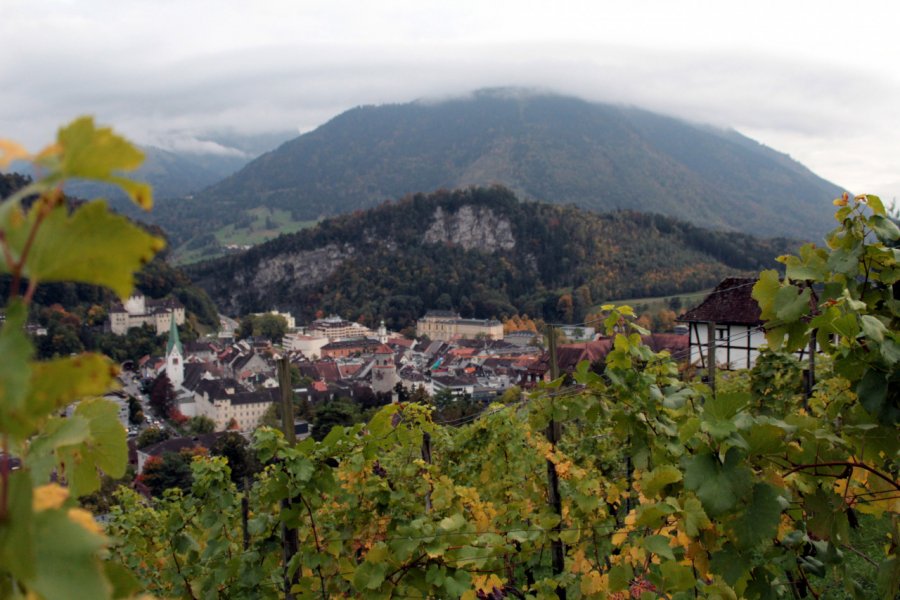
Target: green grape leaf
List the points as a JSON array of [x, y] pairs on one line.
[[846, 260], [888, 578], [452, 523], [764, 291], [656, 480], [765, 438], [759, 522], [15, 371], [16, 541], [876, 205], [378, 553], [67, 559], [57, 433], [730, 564], [659, 544], [884, 228], [93, 246], [678, 578], [873, 328], [620, 577], [105, 449], [458, 583], [59, 382], [872, 390], [810, 265], [824, 512], [369, 576], [719, 486], [89, 152], [649, 515], [124, 584], [791, 303], [695, 518]]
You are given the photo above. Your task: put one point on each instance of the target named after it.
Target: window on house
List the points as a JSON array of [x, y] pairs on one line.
[[722, 333]]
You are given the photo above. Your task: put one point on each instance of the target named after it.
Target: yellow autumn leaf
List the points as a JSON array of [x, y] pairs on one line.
[[48, 496], [619, 537], [85, 519], [580, 563], [10, 151], [594, 583], [487, 582]]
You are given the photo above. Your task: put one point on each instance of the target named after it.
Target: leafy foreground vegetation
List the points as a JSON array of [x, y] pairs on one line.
[[664, 489]]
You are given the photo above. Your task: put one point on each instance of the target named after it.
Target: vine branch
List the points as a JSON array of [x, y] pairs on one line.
[[844, 463]]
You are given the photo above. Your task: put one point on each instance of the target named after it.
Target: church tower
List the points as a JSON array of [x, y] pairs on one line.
[[174, 357], [384, 371], [382, 333]]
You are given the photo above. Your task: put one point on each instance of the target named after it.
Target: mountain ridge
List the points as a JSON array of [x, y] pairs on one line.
[[544, 147]]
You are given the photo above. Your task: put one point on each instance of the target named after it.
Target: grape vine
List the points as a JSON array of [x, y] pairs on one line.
[[667, 489]]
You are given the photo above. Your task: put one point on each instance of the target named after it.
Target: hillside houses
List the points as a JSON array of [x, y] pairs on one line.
[[235, 384]]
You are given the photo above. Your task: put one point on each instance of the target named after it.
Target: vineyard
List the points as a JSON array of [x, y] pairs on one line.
[[620, 482]]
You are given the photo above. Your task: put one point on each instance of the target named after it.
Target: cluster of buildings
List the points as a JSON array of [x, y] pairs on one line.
[[235, 383], [139, 310]]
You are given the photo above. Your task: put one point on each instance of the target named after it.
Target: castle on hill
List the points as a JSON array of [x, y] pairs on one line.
[[139, 310]]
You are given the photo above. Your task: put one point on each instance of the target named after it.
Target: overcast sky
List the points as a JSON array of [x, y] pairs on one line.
[[818, 80]]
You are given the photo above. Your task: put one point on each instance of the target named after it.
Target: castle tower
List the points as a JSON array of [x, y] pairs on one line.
[[174, 357]]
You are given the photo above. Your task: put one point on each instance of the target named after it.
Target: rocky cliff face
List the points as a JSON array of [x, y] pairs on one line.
[[473, 228], [470, 227], [273, 274]]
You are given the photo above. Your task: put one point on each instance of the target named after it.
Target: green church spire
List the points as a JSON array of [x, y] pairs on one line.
[[174, 341]]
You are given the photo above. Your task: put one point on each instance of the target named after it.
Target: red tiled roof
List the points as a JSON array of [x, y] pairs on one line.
[[328, 371]]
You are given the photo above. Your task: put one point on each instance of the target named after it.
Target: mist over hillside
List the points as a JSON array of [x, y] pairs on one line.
[[544, 147]]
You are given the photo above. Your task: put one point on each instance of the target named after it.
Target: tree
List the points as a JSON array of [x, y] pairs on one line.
[[162, 396], [150, 436], [241, 458], [268, 325], [200, 424], [135, 411], [565, 308], [340, 411], [271, 326], [245, 329], [171, 470], [101, 501]]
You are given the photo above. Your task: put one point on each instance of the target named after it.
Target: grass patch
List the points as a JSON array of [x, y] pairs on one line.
[[656, 303], [868, 540], [264, 224]]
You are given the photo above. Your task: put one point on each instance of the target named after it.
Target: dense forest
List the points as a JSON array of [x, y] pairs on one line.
[[559, 261]]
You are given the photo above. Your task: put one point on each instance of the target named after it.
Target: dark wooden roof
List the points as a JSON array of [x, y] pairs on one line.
[[730, 303], [180, 443]]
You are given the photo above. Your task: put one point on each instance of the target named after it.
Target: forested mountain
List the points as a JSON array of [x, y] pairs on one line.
[[178, 173], [480, 251], [544, 147]]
